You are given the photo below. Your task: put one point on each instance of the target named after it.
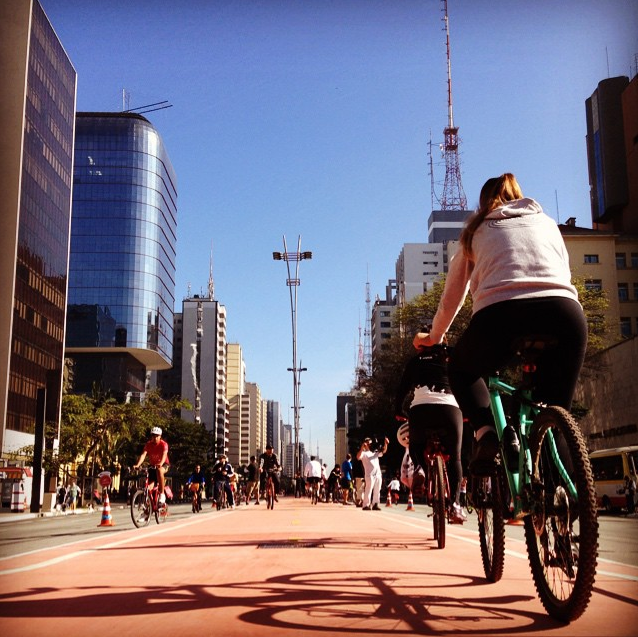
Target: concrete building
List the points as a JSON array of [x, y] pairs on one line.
[[122, 258], [239, 449], [203, 366], [612, 130], [607, 261], [274, 427], [258, 420], [37, 119]]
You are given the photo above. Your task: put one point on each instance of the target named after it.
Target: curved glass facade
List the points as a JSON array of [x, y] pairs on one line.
[[123, 238]]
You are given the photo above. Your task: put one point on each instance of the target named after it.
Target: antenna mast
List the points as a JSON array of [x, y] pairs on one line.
[[453, 197], [367, 334]]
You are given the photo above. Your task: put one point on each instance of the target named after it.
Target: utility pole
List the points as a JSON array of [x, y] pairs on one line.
[[293, 283]]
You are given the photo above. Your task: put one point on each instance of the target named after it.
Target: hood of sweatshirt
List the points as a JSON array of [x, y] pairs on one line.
[[516, 208]]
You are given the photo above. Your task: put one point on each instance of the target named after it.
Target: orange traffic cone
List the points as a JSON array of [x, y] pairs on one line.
[[107, 520], [410, 502], [388, 501]]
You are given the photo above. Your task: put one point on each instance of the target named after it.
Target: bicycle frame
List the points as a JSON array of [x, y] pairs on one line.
[[520, 482]]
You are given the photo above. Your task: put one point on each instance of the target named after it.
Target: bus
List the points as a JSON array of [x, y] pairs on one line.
[[610, 466]]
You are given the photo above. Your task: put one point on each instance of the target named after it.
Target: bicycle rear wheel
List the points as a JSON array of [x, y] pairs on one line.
[[438, 504], [562, 531], [140, 509], [488, 504]]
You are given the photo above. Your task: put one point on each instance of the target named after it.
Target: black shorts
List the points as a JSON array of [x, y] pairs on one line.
[[312, 480]]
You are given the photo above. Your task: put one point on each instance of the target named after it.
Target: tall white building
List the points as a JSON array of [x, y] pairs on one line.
[[203, 365]]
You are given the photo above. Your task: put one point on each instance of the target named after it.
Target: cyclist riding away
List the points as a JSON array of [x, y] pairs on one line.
[[433, 407], [198, 478], [222, 471], [312, 473], [513, 260], [157, 451], [268, 463]]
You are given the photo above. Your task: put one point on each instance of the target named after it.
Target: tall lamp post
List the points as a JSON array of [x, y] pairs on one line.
[[293, 283]]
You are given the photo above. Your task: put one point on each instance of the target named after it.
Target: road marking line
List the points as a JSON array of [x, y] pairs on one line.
[[523, 556], [134, 534]]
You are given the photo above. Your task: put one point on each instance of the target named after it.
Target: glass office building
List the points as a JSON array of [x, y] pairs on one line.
[[122, 261], [37, 83]]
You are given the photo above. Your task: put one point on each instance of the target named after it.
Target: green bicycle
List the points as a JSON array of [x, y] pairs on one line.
[[547, 483]]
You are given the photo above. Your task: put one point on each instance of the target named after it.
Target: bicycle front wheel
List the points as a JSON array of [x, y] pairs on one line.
[[438, 504], [562, 531], [487, 497], [140, 509]]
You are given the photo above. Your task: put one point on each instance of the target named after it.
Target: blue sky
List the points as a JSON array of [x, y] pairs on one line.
[[313, 118]]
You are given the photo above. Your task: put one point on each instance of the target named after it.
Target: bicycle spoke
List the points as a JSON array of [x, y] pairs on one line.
[[562, 531]]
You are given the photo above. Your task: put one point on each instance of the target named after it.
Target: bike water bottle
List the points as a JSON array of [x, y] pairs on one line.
[[511, 447]]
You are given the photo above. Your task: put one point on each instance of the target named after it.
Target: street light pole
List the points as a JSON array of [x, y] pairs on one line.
[[293, 283]]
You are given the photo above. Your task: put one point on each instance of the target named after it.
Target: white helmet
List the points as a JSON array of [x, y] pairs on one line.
[[403, 435], [156, 431]]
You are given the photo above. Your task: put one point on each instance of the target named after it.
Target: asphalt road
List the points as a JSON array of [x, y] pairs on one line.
[[233, 573]]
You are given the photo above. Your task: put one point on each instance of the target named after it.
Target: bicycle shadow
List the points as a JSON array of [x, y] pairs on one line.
[[350, 603]]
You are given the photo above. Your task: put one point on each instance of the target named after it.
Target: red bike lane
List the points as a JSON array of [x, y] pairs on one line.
[[298, 570]]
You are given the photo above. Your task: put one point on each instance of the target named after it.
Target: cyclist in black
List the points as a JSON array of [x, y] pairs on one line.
[[268, 462], [222, 471], [198, 478], [433, 407]]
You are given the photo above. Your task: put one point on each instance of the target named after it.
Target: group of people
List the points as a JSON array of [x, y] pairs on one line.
[[224, 478], [513, 261]]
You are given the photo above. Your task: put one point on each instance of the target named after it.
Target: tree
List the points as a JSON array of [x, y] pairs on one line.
[[378, 391]]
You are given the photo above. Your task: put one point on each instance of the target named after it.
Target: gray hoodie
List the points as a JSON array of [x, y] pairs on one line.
[[517, 253]]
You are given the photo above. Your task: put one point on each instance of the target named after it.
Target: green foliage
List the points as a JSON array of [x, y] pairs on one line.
[[595, 303], [378, 391]]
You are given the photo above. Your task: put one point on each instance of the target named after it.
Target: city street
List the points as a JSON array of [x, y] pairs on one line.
[[299, 570]]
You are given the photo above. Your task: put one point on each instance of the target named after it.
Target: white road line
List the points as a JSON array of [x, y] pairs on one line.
[[134, 534], [523, 556]]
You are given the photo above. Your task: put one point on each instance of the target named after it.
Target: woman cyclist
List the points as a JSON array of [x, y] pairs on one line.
[[433, 407], [513, 260]]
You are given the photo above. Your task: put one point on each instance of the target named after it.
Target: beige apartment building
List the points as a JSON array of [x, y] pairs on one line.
[[607, 261]]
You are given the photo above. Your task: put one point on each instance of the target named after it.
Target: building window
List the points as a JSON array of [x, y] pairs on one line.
[[386, 324], [591, 258], [625, 327], [623, 292], [635, 291], [594, 285], [634, 259], [621, 260]]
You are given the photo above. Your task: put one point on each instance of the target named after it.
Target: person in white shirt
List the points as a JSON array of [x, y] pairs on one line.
[[312, 472], [513, 261], [372, 468]]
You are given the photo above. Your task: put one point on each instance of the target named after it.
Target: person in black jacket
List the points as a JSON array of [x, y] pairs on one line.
[[433, 407]]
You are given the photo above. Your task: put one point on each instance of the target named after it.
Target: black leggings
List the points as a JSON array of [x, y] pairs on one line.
[[486, 346], [447, 420]]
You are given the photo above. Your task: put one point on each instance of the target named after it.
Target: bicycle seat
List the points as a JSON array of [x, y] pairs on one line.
[[529, 346]]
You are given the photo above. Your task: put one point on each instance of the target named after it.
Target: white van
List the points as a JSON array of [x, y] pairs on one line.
[[610, 466]]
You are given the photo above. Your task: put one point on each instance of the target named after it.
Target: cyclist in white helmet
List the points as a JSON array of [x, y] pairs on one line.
[[157, 451]]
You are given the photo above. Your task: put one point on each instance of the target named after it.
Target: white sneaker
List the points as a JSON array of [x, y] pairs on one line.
[[457, 515], [162, 498]]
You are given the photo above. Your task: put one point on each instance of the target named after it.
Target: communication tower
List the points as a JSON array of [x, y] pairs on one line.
[[453, 197]]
